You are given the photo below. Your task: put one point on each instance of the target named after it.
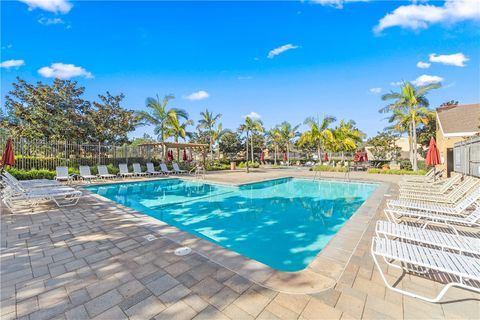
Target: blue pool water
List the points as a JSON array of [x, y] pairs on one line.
[[282, 223]]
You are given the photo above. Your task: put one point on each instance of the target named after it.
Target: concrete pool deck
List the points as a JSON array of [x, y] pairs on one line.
[[93, 260]]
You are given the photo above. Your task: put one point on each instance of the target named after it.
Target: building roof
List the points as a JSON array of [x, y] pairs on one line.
[[460, 120]]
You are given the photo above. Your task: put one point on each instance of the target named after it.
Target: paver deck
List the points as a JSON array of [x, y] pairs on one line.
[[93, 261]]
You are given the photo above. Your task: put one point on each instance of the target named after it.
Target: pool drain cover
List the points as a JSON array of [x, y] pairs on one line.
[[150, 237], [183, 251]]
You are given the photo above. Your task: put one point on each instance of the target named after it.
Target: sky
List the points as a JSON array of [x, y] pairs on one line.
[[276, 61]]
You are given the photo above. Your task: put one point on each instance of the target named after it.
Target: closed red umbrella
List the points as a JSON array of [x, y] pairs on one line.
[[360, 157], [285, 156], [8, 158], [185, 158], [355, 157], [366, 156], [433, 156], [262, 156], [325, 157]]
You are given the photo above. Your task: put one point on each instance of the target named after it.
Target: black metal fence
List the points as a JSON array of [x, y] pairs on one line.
[[43, 154]]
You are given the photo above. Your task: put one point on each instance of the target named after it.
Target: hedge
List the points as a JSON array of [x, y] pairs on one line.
[[399, 172], [329, 168]]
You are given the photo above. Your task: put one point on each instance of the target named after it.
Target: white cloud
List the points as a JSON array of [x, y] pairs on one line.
[[279, 50], [64, 71], [375, 90], [8, 46], [12, 64], [336, 3], [426, 79], [252, 115], [244, 77], [55, 6], [396, 83], [49, 21], [423, 65], [199, 95], [420, 16], [456, 59]]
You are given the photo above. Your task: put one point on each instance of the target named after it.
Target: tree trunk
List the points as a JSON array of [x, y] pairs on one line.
[[319, 154], [251, 147], [247, 154], [414, 143], [275, 151], [288, 156], [211, 145]]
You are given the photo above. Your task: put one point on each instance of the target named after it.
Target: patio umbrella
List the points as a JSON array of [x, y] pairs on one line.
[[366, 156], [361, 159], [8, 158], [262, 156], [433, 156], [325, 157], [185, 158], [285, 156], [355, 157]]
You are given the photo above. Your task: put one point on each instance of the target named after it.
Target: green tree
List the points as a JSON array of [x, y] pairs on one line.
[[318, 133], [411, 102], [178, 129], [230, 144], [250, 125], [218, 133], [146, 138], [41, 111], [208, 122], [346, 137], [427, 132], [161, 117], [274, 138], [109, 122], [288, 133], [383, 146]]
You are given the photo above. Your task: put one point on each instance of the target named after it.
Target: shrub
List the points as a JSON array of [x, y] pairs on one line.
[[329, 168], [251, 164], [400, 172], [31, 174], [405, 164]]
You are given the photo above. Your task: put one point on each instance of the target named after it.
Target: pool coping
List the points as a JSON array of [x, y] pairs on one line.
[[321, 274]]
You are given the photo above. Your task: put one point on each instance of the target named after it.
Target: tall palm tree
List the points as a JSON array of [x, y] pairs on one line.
[[412, 102], [248, 127], [274, 138], [161, 117], [288, 133], [217, 135], [318, 132], [178, 129], [345, 138], [257, 128], [207, 122]]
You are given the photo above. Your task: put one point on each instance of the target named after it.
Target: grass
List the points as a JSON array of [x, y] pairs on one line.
[[398, 172], [329, 168]]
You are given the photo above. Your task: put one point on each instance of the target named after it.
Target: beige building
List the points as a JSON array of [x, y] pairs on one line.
[[454, 124]]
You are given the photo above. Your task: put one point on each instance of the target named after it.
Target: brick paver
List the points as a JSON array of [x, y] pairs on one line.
[[92, 261]]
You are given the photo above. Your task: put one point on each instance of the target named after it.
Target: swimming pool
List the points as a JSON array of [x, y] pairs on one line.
[[283, 223]]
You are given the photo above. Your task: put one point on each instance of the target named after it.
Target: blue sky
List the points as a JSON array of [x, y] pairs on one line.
[[281, 60]]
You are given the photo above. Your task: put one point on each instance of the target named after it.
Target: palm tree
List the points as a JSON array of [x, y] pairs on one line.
[[250, 125], [274, 137], [161, 117], [178, 129], [318, 133], [287, 134], [257, 128], [412, 103], [207, 122], [345, 137], [217, 135]]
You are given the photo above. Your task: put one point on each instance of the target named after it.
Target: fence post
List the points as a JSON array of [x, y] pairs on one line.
[[126, 153]]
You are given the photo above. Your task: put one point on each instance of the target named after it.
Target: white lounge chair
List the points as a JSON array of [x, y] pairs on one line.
[[461, 269], [124, 170], [103, 172], [86, 174], [14, 195], [427, 175], [164, 169], [151, 169], [449, 197], [433, 188], [456, 208], [35, 183], [470, 218], [62, 174], [431, 237], [137, 170], [177, 169]]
